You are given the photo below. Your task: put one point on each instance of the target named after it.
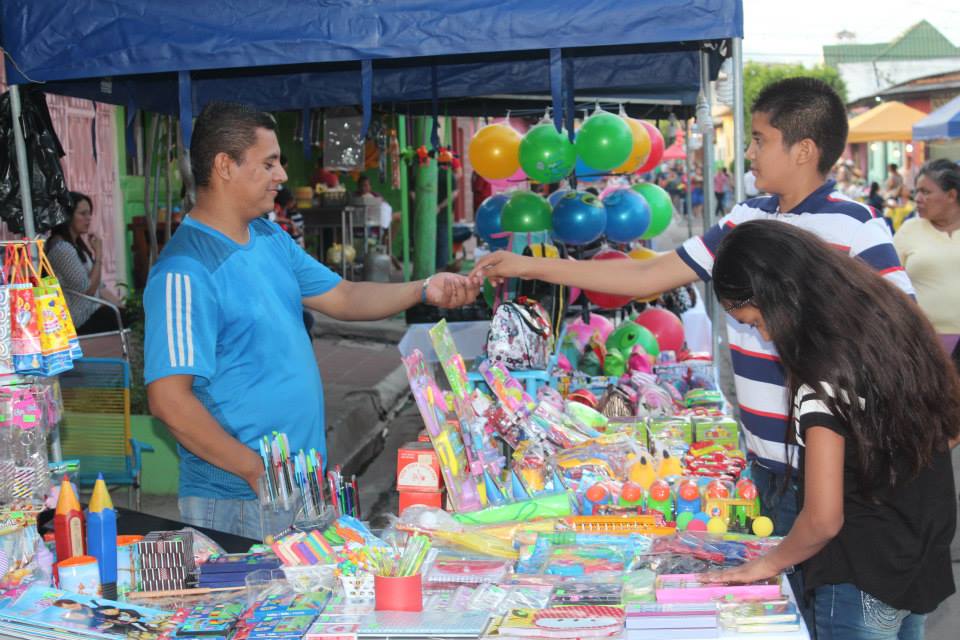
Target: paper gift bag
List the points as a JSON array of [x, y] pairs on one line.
[[6, 357], [24, 329], [48, 279]]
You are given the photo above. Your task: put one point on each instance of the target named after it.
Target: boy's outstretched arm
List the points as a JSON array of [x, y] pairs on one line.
[[638, 278]]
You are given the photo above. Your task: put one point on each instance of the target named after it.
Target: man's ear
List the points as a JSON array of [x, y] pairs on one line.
[[806, 152], [224, 166]]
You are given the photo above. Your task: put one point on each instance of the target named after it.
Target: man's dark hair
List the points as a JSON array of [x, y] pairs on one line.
[[892, 166], [806, 108], [224, 127]]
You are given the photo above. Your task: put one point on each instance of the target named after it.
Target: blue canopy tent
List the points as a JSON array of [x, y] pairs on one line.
[[423, 56], [940, 124]]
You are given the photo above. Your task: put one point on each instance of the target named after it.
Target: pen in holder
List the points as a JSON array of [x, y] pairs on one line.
[[277, 512]]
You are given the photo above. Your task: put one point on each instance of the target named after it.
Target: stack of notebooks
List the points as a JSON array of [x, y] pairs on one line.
[[165, 560], [231, 569], [695, 620]]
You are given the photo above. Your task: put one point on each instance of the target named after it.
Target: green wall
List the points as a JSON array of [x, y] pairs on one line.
[[161, 467]]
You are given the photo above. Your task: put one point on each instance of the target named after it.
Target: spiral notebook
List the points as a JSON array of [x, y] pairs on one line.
[[406, 624]]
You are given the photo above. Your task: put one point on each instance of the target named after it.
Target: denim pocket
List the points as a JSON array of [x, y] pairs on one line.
[[879, 615], [197, 511]]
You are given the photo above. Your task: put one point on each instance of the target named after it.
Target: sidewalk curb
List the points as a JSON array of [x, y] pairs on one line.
[[380, 330]]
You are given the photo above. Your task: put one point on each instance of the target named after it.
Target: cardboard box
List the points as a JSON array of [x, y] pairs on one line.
[[425, 498], [724, 431], [418, 468]]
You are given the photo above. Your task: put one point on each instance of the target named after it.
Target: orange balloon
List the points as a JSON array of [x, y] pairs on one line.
[[641, 147], [494, 151], [642, 253]]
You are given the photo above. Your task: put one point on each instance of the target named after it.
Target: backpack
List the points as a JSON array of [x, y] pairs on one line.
[[553, 297], [520, 335]]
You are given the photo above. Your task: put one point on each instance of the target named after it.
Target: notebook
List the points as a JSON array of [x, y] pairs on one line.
[[406, 624]]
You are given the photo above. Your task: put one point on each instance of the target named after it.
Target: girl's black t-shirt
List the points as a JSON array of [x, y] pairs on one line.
[[894, 545]]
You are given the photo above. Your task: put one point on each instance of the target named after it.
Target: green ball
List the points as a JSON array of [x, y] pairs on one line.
[[604, 141], [547, 155], [683, 520], [525, 211], [629, 333], [661, 208]]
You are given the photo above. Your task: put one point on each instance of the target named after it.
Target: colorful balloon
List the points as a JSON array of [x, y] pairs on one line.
[[525, 211], [641, 146], [656, 148], [554, 197], [608, 300], [628, 215], [642, 253], [579, 218], [488, 221], [547, 155], [494, 151], [587, 174], [665, 326], [661, 208], [582, 331], [604, 141]]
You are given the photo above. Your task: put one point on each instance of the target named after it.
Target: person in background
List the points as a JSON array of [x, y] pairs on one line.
[[893, 186], [875, 199], [327, 179], [750, 183], [875, 419], [929, 247], [721, 183], [284, 214], [76, 255]]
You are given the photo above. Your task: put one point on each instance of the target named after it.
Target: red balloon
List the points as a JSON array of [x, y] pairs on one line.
[[608, 300], [656, 148], [665, 326]]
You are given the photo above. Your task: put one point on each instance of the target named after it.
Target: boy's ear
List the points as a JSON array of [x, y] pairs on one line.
[[806, 152]]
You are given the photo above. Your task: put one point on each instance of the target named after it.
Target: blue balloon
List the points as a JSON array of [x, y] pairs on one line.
[[628, 215], [488, 221], [554, 197], [587, 174], [579, 218]]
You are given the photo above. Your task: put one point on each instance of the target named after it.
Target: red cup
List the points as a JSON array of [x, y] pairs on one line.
[[398, 594]]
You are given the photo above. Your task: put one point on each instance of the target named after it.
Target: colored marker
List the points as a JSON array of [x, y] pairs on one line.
[[102, 537], [68, 529]]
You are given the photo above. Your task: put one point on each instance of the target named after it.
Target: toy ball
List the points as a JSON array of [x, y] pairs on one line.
[[746, 489], [642, 253], [586, 174], [717, 489], [695, 524], [717, 526], [488, 220], [510, 182], [495, 151], [608, 300], [584, 397], [661, 208], [641, 147], [597, 493], [604, 141], [702, 517], [660, 490], [547, 155], [554, 197], [579, 218], [629, 334], [656, 148], [631, 492], [665, 326], [601, 325], [628, 215], [762, 526], [684, 520], [688, 490], [525, 211]]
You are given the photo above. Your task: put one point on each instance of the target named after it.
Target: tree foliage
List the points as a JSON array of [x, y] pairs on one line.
[[757, 76]]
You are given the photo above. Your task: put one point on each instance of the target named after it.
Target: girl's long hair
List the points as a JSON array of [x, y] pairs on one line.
[[835, 321]]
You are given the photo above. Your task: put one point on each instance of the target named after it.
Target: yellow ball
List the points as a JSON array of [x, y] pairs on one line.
[[762, 526], [717, 526]]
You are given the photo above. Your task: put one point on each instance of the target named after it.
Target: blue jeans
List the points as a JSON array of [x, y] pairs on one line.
[[845, 612], [239, 517]]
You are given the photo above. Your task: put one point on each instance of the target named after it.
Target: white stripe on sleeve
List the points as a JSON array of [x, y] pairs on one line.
[[189, 321], [173, 357], [179, 314]]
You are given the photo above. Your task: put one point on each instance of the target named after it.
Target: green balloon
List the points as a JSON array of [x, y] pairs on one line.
[[661, 208], [546, 154], [604, 141], [525, 211]]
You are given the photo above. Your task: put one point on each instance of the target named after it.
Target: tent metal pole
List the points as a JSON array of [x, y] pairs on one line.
[[705, 122], [688, 192], [404, 196], [738, 123], [29, 231]]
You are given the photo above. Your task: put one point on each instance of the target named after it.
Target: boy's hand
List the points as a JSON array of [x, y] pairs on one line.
[[500, 265]]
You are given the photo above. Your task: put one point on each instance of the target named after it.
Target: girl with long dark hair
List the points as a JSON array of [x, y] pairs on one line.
[[876, 409]]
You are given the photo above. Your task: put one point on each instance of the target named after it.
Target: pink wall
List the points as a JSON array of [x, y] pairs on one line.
[[72, 120]]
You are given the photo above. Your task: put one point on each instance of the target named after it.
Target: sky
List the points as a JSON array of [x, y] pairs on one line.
[[796, 30]]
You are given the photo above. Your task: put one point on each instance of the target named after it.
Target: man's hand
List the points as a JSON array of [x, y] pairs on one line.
[[498, 266], [450, 290]]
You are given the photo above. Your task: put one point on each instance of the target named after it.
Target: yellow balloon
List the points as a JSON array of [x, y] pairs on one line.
[[494, 151], [716, 526], [642, 253], [641, 147]]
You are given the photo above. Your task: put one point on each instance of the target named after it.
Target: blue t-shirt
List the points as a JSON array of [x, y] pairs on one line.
[[231, 315]]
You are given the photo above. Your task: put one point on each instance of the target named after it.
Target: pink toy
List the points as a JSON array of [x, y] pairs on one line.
[[687, 587], [639, 360], [582, 331], [564, 363]]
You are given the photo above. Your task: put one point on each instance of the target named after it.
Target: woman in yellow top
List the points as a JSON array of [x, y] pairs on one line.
[[929, 247]]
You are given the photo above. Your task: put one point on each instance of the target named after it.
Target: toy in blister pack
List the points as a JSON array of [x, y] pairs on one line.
[[574, 560], [597, 592], [710, 398], [608, 456], [724, 431], [506, 388], [451, 361], [670, 429], [23, 446], [687, 375]]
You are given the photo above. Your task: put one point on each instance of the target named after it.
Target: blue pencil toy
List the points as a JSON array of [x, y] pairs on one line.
[[102, 537]]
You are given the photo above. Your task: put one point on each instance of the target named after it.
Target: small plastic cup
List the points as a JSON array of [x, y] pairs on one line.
[[399, 594]]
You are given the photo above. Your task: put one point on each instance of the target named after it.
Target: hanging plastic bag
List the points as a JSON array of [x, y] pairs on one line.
[[24, 330], [48, 280], [6, 357], [48, 189]]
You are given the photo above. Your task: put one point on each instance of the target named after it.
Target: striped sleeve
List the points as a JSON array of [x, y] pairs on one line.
[[811, 411], [182, 315], [874, 245], [699, 252]]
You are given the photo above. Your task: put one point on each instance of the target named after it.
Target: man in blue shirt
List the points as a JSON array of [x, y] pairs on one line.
[[226, 357]]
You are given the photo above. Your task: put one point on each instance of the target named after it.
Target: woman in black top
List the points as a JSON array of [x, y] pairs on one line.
[[876, 409]]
